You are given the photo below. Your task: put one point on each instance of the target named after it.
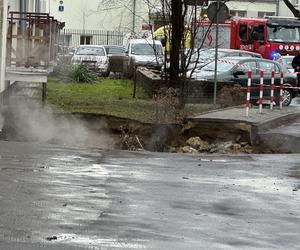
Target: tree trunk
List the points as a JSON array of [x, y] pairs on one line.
[[177, 21]]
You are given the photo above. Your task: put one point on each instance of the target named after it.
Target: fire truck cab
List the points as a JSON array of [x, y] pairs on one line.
[[268, 36]]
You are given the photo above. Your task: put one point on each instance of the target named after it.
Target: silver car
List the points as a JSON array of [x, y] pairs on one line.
[[94, 56], [198, 58], [205, 56]]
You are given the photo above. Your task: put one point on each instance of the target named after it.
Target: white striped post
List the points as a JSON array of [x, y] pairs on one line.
[[248, 92], [281, 90], [261, 90], [272, 90]]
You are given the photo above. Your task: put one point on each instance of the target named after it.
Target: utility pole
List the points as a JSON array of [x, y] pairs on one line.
[[133, 15]]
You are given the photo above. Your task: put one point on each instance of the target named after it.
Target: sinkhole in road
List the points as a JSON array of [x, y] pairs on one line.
[[108, 132]]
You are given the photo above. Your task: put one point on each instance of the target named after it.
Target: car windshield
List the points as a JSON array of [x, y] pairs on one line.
[[223, 66], [93, 51], [146, 49], [279, 33], [114, 50]]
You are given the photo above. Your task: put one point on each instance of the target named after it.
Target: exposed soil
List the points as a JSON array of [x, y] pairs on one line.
[[119, 133]]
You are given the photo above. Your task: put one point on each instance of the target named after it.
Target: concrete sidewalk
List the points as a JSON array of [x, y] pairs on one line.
[[227, 124], [238, 114]]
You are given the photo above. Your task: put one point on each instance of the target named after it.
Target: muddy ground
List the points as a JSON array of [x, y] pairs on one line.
[[117, 133]]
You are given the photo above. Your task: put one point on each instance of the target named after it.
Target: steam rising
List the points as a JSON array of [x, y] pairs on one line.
[[29, 121]]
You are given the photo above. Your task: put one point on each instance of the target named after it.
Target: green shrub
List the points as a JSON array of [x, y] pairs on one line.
[[81, 73], [66, 72]]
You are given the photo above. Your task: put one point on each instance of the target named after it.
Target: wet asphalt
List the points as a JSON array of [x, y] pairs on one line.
[[55, 197], [284, 138]]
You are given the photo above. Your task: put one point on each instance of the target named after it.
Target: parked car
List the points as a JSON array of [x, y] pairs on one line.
[[234, 69], [199, 58], [286, 61], [94, 56], [114, 50], [143, 52], [116, 56]]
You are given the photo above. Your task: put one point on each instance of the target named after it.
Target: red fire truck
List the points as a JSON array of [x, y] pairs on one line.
[[268, 36]]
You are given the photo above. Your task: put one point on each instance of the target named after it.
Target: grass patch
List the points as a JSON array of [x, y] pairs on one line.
[[106, 96], [110, 97]]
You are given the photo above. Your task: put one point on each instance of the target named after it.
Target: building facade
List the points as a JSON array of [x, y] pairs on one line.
[[38, 6], [260, 8], [253, 8], [105, 15]]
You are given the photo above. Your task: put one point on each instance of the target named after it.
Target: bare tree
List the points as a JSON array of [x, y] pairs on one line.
[[292, 8]]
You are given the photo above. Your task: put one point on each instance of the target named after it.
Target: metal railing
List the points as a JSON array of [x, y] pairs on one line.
[[32, 39]]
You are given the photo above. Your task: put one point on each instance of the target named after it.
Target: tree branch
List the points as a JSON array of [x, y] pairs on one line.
[[292, 8]]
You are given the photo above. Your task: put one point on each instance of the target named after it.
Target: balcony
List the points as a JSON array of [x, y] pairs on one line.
[[32, 39]]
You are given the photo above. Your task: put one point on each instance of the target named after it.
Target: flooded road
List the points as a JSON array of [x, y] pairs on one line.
[[56, 197]]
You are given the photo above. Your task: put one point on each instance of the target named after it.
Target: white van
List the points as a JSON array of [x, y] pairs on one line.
[[143, 52]]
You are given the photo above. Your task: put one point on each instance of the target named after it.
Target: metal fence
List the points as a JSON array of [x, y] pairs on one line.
[[72, 38]]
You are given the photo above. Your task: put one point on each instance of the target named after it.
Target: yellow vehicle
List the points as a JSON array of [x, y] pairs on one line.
[[164, 34]]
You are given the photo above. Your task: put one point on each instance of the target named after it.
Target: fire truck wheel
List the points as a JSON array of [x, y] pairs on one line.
[[287, 98]]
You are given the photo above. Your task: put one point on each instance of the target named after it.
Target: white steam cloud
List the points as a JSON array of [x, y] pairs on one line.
[[29, 121]]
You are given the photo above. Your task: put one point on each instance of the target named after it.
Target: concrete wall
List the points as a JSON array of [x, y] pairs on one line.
[[195, 91], [3, 27]]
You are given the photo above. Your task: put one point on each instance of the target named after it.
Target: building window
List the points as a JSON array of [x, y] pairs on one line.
[[238, 13], [86, 39], [261, 14]]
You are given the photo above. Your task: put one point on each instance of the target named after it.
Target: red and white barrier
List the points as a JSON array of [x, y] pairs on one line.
[[248, 92], [261, 90], [281, 90], [246, 68], [272, 90], [261, 86]]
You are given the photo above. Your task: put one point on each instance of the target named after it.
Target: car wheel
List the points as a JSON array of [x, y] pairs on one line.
[[287, 98]]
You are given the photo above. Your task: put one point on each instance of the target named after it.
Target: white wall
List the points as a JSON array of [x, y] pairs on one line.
[[252, 8], [100, 14], [15, 5]]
